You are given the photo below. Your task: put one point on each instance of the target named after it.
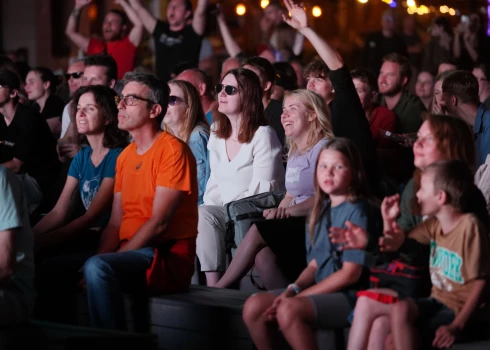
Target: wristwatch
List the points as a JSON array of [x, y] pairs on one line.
[[295, 288]]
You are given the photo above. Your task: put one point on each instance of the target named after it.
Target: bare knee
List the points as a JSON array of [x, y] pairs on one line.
[[381, 325], [255, 306], [366, 308], [288, 311]]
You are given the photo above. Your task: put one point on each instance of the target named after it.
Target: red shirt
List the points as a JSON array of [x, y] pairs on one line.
[[123, 51], [382, 119]]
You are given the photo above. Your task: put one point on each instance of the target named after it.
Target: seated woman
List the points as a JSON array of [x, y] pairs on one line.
[[185, 119], [92, 170], [324, 294], [306, 121], [245, 159], [41, 86]]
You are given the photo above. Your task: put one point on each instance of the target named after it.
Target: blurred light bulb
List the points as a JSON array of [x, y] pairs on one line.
[[362, 1], [264, 3], [316, 11], [241, 9]]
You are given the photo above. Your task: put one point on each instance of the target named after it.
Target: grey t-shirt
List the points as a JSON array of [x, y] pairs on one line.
[[14, 215], [359, 213], [300, 172]]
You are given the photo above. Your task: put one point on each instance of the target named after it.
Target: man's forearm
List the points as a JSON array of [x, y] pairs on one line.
[[145, 235], [471, 304]]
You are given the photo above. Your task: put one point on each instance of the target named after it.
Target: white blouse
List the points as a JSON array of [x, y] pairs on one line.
[[257, 168]]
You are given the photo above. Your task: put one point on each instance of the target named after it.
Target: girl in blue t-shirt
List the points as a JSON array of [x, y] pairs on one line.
[[91, 172], [323, 295]]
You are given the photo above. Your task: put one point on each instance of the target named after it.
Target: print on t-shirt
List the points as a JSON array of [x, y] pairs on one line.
[[445, 264], [171, 41], [292, 175], [89, 190]]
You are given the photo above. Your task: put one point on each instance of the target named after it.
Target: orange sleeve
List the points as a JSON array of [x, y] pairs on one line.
[[177, 167]]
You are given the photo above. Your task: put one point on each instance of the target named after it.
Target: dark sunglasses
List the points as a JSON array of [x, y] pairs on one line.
[[76, 75], [229, 90], [174, 100]]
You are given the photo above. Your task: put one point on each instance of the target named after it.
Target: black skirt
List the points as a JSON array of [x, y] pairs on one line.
[[286, 238]]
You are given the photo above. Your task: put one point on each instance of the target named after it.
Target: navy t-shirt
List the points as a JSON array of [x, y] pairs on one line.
[[90, 177]]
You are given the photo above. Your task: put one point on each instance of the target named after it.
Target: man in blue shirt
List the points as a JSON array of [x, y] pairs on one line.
[[460, 98]]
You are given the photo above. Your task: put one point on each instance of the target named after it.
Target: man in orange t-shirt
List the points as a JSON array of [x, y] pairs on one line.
[[115, 42], [153, 226]]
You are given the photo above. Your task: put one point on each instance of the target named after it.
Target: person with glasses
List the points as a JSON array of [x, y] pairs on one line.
[[185, 119], [245, 158], [73, 76], [482, 74], [152, 230], [63, 240]]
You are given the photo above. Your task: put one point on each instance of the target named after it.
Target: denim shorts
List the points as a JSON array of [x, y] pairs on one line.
[[432, 315]]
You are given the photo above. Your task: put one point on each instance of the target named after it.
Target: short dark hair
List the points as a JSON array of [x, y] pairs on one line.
[[104, 98], [103, 60], [124, 18], [285, 76], [451, 61], [403, 62], [317, 68], [485, 68], [265, 68], [159, 90], [366, 76], [463, 85], [47, 75]]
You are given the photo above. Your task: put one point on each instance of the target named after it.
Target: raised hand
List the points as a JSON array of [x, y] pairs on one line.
[[392, 239], [298, 19], [81, 3], [390, 208], [353, 237]]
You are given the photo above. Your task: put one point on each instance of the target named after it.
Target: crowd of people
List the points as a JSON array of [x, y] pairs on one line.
[[383, 174]]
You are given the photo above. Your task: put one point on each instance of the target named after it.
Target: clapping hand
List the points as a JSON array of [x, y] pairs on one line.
[[352, 237], [298, 19], [390, 208], [392, 239]]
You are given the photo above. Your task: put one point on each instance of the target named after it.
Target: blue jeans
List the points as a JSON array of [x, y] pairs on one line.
[[107, 276]]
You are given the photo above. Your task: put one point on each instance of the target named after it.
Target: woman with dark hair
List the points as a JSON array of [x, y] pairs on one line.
[[440, 47], [92, 170], [482, 74], [185, 119], [41, 86], [245, 159]]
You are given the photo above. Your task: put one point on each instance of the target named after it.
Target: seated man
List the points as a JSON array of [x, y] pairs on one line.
[[153, 226], [16, 260]]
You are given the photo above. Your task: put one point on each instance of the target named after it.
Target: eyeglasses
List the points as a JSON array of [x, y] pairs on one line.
[[174, 100], [129, 100], [76, 75], [229, 90]]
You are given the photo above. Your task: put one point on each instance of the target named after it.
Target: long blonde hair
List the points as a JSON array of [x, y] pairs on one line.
[[321, 127], [195, 113], [358, 187]]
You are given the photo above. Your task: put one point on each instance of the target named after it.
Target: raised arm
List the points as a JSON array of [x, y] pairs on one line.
[[299, 43], [71, 27], [231, 45], [136, 33], [299, 21], [146, 18], [199, 20]]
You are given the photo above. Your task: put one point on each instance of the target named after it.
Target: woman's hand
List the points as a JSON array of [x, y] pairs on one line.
[[390, 208], [353, 237], [279, 212], [270, 313]]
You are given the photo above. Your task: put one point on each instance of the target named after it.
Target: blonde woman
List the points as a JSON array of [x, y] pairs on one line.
[[277, 244], [185, 119]]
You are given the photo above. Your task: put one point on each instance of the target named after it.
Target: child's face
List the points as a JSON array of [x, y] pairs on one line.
[[427, 198], [334, 172]]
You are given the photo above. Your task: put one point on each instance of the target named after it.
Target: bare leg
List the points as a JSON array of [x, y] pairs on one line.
[[268, 268], [389, 344], [244, 257], [264, 334], [366, 312], [379, 331], [212, 277], [403, 317], [295, 317]]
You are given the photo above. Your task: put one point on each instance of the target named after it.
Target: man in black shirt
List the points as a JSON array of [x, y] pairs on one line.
[[382, 43], [27, 146], [267, 76], [176, 42]]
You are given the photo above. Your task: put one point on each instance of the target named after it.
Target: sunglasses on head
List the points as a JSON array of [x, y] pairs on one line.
[[174, 100], [76, 75], [229, 90]]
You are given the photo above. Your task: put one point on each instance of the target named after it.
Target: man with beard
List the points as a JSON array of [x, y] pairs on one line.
[[392, 82], [115, 41], [176, 41]]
